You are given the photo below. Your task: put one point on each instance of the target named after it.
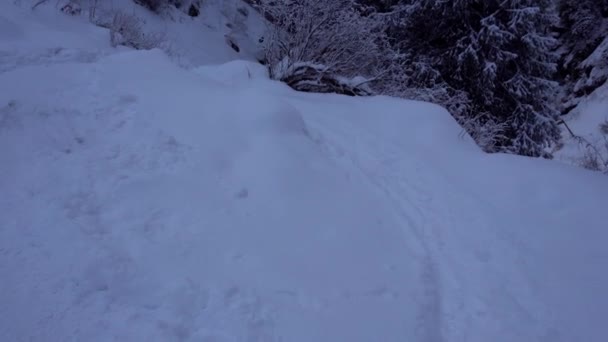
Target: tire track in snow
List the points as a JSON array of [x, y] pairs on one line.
[[474, 287], [401, 196]]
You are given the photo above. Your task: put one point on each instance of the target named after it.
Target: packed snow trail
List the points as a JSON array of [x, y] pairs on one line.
[[136, 214], [448, 223], [146, 202], [510, 238]]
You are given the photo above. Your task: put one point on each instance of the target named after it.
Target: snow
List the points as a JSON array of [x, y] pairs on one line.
[[143, 201], [233, 73]]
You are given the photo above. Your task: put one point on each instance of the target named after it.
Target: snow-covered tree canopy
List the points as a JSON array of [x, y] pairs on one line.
[[498, 52], [584, 48]]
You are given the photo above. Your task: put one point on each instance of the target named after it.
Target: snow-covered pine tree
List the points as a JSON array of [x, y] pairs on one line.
[[584, 47], [581, 19], [499, 53]]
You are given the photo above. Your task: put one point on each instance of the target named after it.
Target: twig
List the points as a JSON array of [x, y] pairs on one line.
[[40, 2]]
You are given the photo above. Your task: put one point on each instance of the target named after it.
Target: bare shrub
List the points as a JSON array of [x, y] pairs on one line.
[[596, 155], [590, 161], [315, 43]]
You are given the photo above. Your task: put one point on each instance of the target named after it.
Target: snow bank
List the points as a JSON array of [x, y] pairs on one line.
[[233, 73]]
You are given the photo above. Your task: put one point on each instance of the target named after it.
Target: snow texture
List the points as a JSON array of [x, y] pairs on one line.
[[142, 201]]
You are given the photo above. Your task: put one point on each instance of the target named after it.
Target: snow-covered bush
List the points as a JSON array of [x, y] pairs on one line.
[[128, 30], [314, 44]]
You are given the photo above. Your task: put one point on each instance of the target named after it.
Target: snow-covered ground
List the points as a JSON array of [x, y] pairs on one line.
[[142, 201]]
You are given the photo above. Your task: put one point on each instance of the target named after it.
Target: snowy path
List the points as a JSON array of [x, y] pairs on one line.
[[380, 168], [438, 215], [502, 255], [144, 228]]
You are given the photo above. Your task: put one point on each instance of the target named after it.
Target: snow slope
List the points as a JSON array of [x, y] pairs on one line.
[[141, 201]]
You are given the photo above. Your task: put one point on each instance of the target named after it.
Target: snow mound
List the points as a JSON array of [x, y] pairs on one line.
[[277, 118], [234, 72]]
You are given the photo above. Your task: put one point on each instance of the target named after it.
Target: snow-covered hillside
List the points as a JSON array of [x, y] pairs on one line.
[[144, 201]]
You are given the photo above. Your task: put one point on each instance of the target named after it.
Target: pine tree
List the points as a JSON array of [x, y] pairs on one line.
[[581, 18], [584, 47], [499, 53]]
